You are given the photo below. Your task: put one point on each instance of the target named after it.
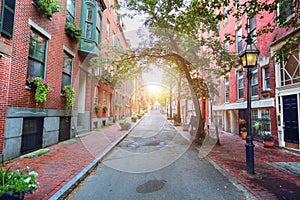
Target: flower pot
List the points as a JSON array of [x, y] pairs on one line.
[[244, 135], [133, 119], [268, 144]]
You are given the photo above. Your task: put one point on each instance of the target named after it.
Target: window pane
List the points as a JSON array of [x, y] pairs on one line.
[[35, 68], [67, 64], [88, 31], [66, 80], [37, 46], [89, 16]]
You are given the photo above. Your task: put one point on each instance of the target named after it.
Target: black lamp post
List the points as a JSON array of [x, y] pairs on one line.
[[249, 57]]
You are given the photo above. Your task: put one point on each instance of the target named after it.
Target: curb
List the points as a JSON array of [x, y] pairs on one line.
[[66, 189]]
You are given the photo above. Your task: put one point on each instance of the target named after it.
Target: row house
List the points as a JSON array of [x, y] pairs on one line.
[[274, 85], [34, 43]]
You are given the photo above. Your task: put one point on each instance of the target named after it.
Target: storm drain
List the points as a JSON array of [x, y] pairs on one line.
[[151, 186]]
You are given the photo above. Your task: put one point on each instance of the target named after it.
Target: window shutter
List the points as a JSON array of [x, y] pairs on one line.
[[8, 15]]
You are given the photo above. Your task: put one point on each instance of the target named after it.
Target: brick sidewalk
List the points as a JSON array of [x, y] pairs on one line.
[[269, 182], [67, 159]]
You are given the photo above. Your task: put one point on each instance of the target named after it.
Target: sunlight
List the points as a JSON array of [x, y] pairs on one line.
[[154, 89]]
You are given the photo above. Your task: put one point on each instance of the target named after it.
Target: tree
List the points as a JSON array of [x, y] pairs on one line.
[[185, 33]]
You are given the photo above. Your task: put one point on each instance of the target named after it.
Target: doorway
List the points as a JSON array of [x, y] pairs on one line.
[[290, 119]]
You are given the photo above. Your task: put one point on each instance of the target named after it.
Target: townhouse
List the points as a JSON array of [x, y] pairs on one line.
[[44, 48], [274, 85]]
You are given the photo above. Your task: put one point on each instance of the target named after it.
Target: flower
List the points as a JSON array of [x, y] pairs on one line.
[[17, 183], [241, 121]]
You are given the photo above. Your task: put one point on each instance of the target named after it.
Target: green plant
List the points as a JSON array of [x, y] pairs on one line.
[[104, 108], [267, 137], [97, 107], [241, 121], [41, 88], [74, 31], [47, 7], [17, 183], [68, 92], [133, 117], [119, 105], [257, 125], [243, 129], [125, 123]]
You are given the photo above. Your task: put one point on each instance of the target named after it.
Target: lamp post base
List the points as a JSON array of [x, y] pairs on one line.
[[250, 155]]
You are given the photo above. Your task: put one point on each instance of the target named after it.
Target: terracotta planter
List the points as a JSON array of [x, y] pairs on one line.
[[244, 135], [268, 144]]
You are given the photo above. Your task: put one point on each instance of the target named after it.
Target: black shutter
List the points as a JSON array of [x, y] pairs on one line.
[[7, 19]]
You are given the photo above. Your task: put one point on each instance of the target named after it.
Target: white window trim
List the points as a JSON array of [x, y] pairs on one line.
[[264, 79], [39, 29]]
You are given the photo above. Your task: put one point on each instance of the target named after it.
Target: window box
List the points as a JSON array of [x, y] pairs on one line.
[[47, 7], [265, 93], [73, 31]]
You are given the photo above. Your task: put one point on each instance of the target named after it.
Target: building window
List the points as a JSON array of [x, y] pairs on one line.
[[107, 29], [89, 23], [67, 70], [290, 67], [97, 71], [227, 90], [113, 39], [254, 82], [252, 27], [240, 84], [37, 55], [96, 95], [71, 5], [226, 15], [227, 46], [98, 28], [239, 40], [265, 117], [7, 17], [266, 78], [104, 98], [286, 9]]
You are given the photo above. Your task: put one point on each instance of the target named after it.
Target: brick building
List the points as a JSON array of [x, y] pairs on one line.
[[36, 44], [268, 86]]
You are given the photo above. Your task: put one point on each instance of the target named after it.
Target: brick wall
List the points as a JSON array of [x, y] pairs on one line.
[[18, 95]]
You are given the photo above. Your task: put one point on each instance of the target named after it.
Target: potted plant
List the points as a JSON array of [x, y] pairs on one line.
[[133, 118], [268, 139], [241, 121], [15, 184], [104, 108], [47, 7], [73, 31], [243, 133], [68, 93], [125, 125], [41, 88], [97, 107]]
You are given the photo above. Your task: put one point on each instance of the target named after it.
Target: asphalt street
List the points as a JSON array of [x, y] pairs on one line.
[[156, 162]]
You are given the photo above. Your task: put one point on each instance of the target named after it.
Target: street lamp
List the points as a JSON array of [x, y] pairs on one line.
[[249, 57]]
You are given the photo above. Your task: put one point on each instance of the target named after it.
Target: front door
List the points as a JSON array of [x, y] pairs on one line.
[[290, 119]]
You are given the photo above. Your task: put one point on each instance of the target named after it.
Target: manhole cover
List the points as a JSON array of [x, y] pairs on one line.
[[151, 186]]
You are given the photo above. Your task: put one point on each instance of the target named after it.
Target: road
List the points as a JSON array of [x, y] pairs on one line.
[[156, 162]]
